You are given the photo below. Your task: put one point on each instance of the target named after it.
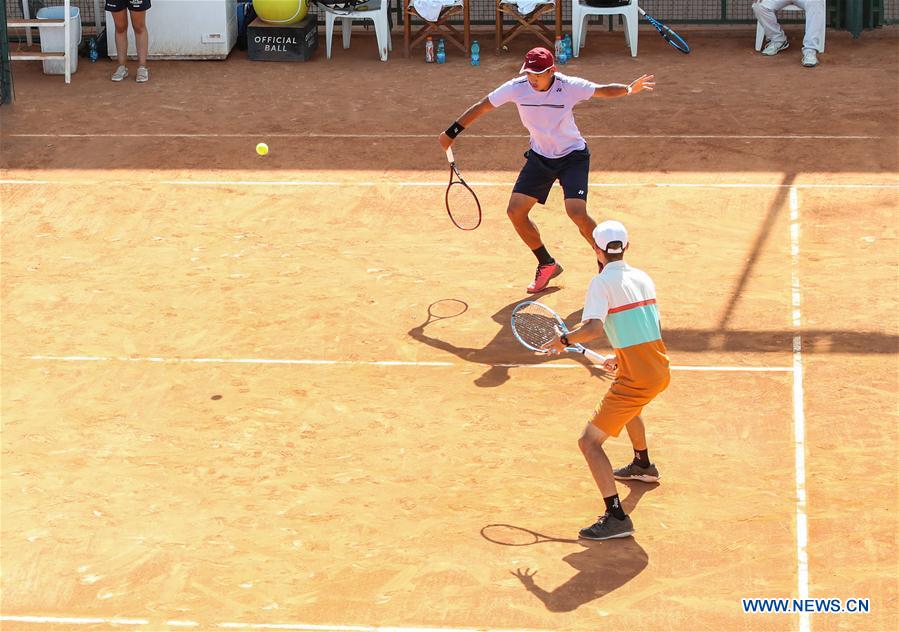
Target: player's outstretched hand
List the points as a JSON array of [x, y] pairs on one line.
[[646, 82]]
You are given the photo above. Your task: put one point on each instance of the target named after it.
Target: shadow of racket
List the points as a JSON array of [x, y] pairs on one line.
[[445, 308], [510, 535]]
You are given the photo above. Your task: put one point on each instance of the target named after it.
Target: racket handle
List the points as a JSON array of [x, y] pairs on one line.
[[595, 357], [449, 155]]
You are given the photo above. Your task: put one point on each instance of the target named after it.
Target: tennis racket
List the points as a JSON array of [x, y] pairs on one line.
[[670, 36], [534, 324], [461, 203]]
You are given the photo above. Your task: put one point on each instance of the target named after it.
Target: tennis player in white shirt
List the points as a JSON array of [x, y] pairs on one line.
[[545, 99]]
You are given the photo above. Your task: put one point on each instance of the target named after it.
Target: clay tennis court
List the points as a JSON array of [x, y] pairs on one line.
[[222, 408]]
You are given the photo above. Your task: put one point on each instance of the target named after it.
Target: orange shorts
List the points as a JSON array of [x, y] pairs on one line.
[[642, 374]]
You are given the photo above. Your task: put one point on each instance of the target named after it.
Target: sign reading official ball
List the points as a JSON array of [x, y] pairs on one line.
[[274, 42]]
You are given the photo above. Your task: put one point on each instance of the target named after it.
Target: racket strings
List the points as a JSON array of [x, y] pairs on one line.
[[463, 206], [536, 327]]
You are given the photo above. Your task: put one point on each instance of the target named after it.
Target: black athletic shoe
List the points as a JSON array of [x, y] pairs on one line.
[[608, 527]]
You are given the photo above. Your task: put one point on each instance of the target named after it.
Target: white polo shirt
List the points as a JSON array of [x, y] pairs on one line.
[[548, 115]]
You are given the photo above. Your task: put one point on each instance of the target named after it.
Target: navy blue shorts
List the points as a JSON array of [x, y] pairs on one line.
[[540, 173], [131, 5]]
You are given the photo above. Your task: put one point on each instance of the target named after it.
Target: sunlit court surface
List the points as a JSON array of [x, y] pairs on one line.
[[224, 405]]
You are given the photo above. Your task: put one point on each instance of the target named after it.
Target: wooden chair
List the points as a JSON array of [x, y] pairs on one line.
[[440, 27], [527, 23]]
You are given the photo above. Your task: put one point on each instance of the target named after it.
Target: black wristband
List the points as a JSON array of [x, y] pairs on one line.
[[454, 130], [564, 340]]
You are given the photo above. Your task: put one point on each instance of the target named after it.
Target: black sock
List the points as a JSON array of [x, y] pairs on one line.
[[613, 506], [543, 256], [641, 457]]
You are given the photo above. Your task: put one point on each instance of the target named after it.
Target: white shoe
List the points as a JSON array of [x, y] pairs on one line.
[[775, 47], [120, 73], [809, 58], [143, 75]]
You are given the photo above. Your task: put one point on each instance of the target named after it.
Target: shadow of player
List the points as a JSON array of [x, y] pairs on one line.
[[503, 351]]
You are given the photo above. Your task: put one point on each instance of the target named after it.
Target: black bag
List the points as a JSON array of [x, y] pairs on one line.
[[245, 14]]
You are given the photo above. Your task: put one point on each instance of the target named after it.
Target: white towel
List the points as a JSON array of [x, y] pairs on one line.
[[525, 7], [430, 9]]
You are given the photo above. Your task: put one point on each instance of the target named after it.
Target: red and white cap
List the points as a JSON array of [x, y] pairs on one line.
[[537, 61], [607, 232]]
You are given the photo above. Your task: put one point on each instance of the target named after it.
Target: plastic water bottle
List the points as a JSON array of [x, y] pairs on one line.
[[568, 46], [429, 50], [561, 55], [92, 49], [475, 53], [441, 52]]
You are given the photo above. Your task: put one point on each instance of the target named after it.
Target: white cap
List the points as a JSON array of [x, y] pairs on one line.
[[607, 232]]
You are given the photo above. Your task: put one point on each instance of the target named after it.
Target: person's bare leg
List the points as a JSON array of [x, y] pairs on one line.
[[520, 206], [141, 36], [577, 211], [614, 523], [590, 443], [121, 36], [637, 433]]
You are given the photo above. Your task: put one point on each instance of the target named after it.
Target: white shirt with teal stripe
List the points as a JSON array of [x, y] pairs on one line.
[[624, 299]]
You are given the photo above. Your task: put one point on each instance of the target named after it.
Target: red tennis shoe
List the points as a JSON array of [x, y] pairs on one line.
[[543, 276]]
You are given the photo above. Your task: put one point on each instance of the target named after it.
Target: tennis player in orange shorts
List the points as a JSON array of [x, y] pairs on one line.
[[621, 301]]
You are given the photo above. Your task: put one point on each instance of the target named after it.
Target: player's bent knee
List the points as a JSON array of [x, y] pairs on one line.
[[591, 436], [516, 212], [578, 213]]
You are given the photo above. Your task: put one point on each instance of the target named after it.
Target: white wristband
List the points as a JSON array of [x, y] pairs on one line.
[[629, 90]]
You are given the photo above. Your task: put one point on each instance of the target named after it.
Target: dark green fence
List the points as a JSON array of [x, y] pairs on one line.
[[5, 71]]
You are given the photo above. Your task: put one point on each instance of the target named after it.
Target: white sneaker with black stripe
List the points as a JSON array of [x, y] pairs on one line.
[[775, 47]]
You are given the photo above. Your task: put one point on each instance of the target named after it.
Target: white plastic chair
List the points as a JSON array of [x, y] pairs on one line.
[[760, 32], [378, 16], [580, 12]]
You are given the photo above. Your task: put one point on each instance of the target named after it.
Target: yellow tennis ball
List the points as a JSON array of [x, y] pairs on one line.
[[261, 149]]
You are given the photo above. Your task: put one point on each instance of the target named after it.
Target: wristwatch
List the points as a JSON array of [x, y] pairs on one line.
[[564, 340]]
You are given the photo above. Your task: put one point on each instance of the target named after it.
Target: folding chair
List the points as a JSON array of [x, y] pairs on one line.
[[440, 26], [529, 22]]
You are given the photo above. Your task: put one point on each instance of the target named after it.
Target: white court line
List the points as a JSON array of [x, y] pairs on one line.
[[799, 414], [238, 625], [74, 620], [441, 184], [281, 183], [388, 136], [396, 363]]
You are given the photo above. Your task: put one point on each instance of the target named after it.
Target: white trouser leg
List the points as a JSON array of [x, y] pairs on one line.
[[815, 23], [764, 13]]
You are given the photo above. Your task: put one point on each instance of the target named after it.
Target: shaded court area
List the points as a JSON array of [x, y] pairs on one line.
[[223, 405]]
